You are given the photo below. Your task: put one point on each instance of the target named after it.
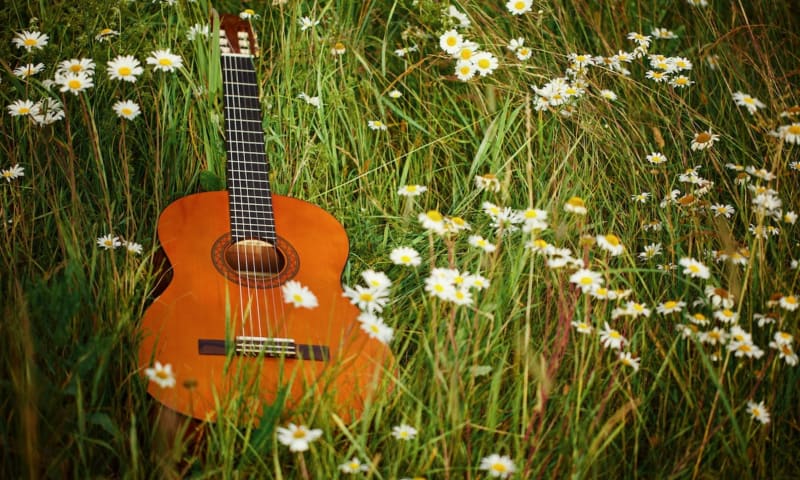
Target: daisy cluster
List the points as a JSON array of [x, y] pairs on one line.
[[470, 59]]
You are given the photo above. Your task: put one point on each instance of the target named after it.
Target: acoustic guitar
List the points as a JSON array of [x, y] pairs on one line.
[[222, 322]]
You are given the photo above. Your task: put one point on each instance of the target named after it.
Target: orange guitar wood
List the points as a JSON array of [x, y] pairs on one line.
[[201, 303]]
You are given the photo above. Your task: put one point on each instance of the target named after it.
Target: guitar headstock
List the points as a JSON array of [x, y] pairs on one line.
[[237, 36]]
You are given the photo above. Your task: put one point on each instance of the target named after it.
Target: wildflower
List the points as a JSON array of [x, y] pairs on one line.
[[133, 247], [635, 309], [524, 53], [450, 41], [608, 95], [368, 299], [726, 315], [641, 197], [582, 327], [248, 13], [758, 411], [704, 140], [789, 302], [698, 318], [752, 104], [106, 34], [164, 60], [30, 40], [586, 279], [353, 465], [47, 111], [719, 297], [789, 133], [761, 173], [466, 51], [533, 219], [197, 30], [745, 349], [404, 432], [109, 242], [124, 67], [681, 81], [650, 251], [455, 224], [642, 40], [12, 173], [406, 256], [376, 125], [712, 61], [412, 190], [519, 7], [463, 20], [693, 268], [298, 295], [480, 242], [579, 61], [628, 360], [784, 347], [790, 217], [488, 182], [298, 437], [765, 319], [498, 466], [575, 205], [714, 336], [722, 210], [658, 77], [313, 101], [127, 109], [663, 33], [76, 65], [395, 93], [74, 82], [28, 70], [656, 158], [485, 63], [20, 108], [611, 244], [306, 23], [161, 374], [476, 280], [375, 327], [432, 221], [440, 283], [338, 49], [611, 338], [465, 70]]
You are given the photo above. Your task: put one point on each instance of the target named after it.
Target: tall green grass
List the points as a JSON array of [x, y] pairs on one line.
[[507, 375]]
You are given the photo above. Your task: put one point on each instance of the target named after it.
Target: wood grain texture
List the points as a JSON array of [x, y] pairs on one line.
[[200, 300]]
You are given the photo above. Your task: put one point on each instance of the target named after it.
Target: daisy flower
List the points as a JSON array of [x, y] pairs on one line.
[[404, 432], [28, 70], [297, 437], [376, 125], [74, 82], [466, 51], [611, 338], [106, 34], [641, 197], [752, 104], [704, 140], [76, 65], [406, 256], [353, 465], [465, 70], [586, 279], [298, 295], [412, 190], [789, 302], [306, 23], [789, 133], [670, 306], [454, 13], [124, 67], [758, 411], [524, 53], [368, 299], [450, 41], [663, 33], [693, 268], [657, 76], [109, 242], [164, 60], [432, 221], [161, 374], [650, 251], [30, 40], [197, 30], [681, 81], [338, 49], [628, 360], [20, 108], [375, 327], [642, 40], [719, 209], [611, 244], [480, 242], [582, 327], [248, 13], [519, 7], [608, 95], [488, 182], [127, 109], [575, 205], [498, 466], [485, 63], [12, 173], [395, 93], [133, 247]]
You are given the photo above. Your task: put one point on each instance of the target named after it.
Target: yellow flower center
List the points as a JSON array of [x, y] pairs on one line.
[[539, 243], [128, 111], [74, 84], [164, 61], [365, 297], [297, 297], [745, 348], [466, 53], [484, 63], [612, 239], [586, 281], [791, 300], [299, 434], [451, 41], [794, 129], [465, 70], [162, 374], [434, 216], [30, 42], [75, 68], [615, 335], [575, 202], [125, 71], [339, 46], [405, 259], [670, 304], [374, 328], [699, 317], [500, 467], [24, 110], [694, 268]]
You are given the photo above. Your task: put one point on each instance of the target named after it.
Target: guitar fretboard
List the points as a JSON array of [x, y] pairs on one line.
[[250, 199]]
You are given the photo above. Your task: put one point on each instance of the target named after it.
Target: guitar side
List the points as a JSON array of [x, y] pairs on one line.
[[201, 300]]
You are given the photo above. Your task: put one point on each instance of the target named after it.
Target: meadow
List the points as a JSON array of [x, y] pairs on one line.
[[581, 215]]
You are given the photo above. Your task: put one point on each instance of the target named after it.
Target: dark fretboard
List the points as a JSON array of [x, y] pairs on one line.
[[250, 199]]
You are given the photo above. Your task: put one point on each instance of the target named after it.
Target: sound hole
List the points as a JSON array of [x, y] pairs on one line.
[[255, 258]]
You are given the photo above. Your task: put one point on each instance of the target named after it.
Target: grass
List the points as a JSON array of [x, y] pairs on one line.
[[509, 374]]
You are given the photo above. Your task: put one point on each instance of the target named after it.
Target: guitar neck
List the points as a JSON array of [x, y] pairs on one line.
[[250, 198]]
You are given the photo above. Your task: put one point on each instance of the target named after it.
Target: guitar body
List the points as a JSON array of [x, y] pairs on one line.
[[193, 324]]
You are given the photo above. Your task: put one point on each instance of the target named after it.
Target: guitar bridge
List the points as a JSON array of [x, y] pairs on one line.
[[268, 347]]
